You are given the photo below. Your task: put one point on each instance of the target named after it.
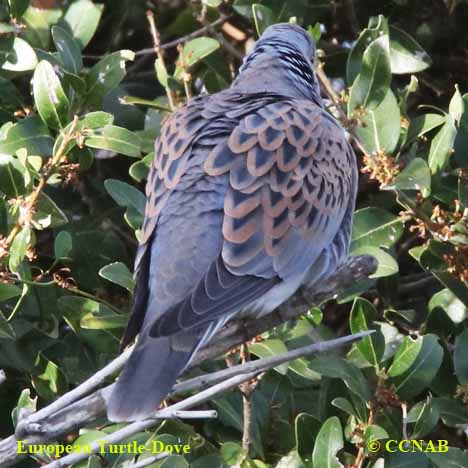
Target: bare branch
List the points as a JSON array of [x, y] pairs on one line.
[[157, 49], [193, 35], [244, 373], [328, 88], [139, 426], [74, 395], [69, 412]]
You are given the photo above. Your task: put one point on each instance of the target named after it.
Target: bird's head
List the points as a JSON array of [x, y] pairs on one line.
[[291, 35], [287, 50]]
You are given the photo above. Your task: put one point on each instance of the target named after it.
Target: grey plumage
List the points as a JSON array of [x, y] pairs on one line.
[[251, 194]]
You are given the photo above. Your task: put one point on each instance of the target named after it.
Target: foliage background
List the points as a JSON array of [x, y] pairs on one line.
[[72, 200]]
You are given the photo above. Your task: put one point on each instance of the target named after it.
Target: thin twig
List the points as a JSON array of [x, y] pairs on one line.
[[157, 49], [194, 34], [32, 199], [139, 426], [328, 88], [246, 389], [404, 410]]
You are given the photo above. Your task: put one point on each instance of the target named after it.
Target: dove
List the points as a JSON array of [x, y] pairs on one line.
[[250, 195]]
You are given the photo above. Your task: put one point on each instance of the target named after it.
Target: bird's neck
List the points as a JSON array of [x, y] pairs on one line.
[[267, 73]]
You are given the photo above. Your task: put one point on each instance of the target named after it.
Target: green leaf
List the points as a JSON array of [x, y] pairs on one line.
[[263, 17], [381, 126], [387, 265], [291, 460], [423, 369], [404, 94], [25, 402], [12, 180], [460, 360], [442, 146], [432, 260], [457, 105], [116, 139], [306, 428], [38, 22], [463, 192], [415, 176], [301, 367], [315, 31], [125, 195], [268, 348], [194, 51], [6, 331], [423, 124], [161, 72], [8, 291], [373, 82], [327, 444], [91, 121], [405, 356], [377, 26], [49, 380], [426, 416], [51, 101], [106, 75], [375, 227], [18, 7], [338, 368], [174, 461], [446, 300], [155, 104], [83, 18], [18, 248], [363, 314], [454, 458], [104, 322], [212, 3], [232, 453], [3, 209], [63, 245], [452, 412], [82, 313], [68, 49], [118, 273], [139, 170], [48, 214], [406, 55], [406, 459], [18, 57], [345, 405], [374, 432]]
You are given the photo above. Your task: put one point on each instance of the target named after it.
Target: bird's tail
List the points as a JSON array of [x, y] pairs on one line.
[[150, 373]]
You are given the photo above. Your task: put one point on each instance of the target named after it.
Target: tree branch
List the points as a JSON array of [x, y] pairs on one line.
[[75, 410], [194, 34]]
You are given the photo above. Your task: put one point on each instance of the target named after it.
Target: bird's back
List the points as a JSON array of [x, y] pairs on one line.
[[251, 192]]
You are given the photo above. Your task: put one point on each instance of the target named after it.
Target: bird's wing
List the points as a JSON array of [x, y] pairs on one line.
[[290, 175], [172, 150]]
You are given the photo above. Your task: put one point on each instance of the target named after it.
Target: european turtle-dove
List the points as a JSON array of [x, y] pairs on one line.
[[250, 195]]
